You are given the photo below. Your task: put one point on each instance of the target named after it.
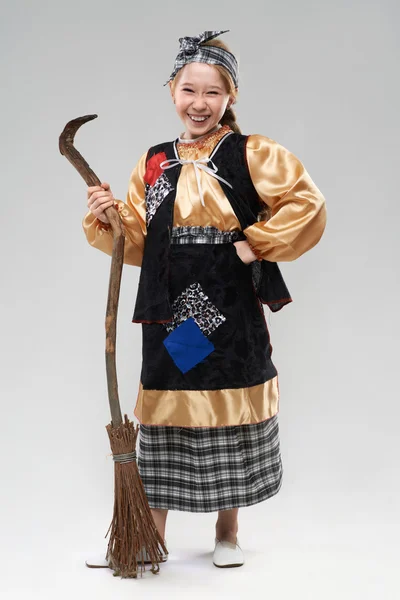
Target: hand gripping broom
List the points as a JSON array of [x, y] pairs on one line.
[[132, 528]]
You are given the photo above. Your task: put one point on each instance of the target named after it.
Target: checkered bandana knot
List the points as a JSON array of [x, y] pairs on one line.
[[191, 50], [190, 45]]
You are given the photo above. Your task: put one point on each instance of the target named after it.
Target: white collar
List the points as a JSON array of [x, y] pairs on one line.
[[191, 140]]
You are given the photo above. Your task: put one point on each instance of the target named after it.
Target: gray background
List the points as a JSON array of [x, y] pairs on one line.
[[322, 79]]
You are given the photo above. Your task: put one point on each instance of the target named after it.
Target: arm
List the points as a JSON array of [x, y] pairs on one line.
[[298, 208], [133, 215]]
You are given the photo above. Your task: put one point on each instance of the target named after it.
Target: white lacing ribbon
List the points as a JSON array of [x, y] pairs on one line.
[[200, 163]]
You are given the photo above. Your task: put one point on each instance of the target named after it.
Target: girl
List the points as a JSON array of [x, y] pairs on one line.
[[207, 216]]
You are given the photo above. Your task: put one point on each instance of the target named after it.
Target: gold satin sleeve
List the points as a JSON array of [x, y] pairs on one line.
[[133, 215], [298, 208]]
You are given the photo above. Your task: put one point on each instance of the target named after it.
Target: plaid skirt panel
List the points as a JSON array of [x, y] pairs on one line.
[[207, 469]]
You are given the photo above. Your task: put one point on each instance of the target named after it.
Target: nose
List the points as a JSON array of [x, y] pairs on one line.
[[199, 103]]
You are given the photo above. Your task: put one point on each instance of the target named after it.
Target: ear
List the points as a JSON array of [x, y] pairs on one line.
[[171, 92], [231, 101]]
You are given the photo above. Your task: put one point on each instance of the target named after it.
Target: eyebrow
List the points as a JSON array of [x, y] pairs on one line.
[[217, 87]]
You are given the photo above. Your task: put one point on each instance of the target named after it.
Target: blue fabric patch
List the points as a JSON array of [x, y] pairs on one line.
[[187, 345]]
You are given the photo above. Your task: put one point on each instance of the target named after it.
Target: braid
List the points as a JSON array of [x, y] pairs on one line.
[[265, 213], [229, 118]]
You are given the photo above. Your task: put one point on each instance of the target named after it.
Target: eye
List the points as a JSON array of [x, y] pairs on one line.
[[187, 90], [215, 93]]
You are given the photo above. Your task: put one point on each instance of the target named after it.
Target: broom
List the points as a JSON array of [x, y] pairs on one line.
[[132, 530]]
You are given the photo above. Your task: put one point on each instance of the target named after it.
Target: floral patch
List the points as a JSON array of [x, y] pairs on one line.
[[153, 169]]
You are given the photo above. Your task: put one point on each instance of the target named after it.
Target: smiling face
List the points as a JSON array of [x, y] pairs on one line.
[[200, 97]]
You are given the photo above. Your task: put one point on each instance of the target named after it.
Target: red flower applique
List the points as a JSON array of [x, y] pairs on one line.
[[153, 170]]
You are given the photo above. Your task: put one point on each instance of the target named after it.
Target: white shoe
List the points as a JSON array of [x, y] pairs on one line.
[[146, 560], [227, 554]]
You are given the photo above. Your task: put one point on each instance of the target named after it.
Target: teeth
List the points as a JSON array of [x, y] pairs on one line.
[[198, 119]]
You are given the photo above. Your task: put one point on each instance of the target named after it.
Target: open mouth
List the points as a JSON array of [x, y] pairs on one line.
[[198, 119]]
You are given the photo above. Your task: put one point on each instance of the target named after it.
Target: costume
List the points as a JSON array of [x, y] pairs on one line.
[[209, 431]]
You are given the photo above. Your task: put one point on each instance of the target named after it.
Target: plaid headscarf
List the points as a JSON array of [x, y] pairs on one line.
[[191, 50]]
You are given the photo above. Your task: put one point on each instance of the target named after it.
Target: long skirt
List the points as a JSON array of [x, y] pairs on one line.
[[217, 340], [205, 469]]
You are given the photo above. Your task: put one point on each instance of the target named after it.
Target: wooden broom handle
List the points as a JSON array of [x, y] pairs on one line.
[[66, 145]]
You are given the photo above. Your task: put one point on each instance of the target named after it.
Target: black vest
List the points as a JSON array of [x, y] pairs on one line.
[[153, 304]]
